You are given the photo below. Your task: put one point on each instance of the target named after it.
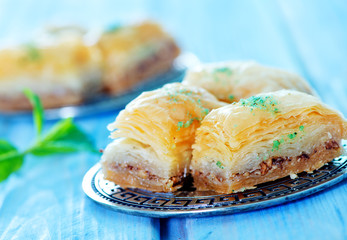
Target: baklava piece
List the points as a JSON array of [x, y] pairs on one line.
[[153, 137], [133, 53], [62, 72], [232, 81], [69, 65], [264, 138]]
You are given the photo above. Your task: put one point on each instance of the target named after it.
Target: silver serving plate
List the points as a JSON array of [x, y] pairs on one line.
[[198, 204], [104, 103]]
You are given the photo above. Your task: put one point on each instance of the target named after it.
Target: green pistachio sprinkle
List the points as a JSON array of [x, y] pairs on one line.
[[216, 79], [186, 124], [276, 145], [113, 28], [223, 70], [205, 111], [231, 97], [292, 135], [219, 164], [185, 92], [174, 98], [266, 103], [179, 125], [33, 53]]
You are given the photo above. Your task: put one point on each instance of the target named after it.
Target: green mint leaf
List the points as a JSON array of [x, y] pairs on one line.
[[38, 115], [64, 137], [10, 159]]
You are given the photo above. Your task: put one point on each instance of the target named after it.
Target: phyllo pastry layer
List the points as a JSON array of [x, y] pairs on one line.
[[134, 53], [154, 135], [232, 81], [263, 138]]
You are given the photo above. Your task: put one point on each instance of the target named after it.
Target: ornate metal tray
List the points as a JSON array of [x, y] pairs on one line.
[[104, 103], [197, 204]]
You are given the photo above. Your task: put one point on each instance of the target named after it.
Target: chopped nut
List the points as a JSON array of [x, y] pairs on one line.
[[269, 163], [263, 168], [332, 145]]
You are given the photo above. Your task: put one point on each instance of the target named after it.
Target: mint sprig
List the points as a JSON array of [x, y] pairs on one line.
[[63, 137], [10, 159], [38, 112]]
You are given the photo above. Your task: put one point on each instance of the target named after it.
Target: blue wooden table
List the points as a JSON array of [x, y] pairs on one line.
[[44, 200]]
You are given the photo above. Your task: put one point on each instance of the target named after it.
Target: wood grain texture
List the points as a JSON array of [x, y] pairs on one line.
[[44, 200], [318, 29]]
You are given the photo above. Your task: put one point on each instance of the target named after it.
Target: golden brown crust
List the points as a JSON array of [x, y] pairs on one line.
[[235, 80], [269, 170], [159, 62], [129, 176]]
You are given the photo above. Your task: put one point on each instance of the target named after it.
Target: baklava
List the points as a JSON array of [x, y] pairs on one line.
[[232, 81], [62, 72], [69, 65], [153, 137], [133, 53], [264, 138]]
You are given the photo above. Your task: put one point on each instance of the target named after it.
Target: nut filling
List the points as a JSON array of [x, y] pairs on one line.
[[278, 161], [274, 163], [142, 174]]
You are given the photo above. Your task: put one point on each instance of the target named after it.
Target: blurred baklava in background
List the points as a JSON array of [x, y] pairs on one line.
[[67, 69]]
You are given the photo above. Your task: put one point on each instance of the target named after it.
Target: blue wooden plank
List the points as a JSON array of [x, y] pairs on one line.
[[306, 37], [225, 30], [321, 216], [20, 20], [45, 199], [319, 31]]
